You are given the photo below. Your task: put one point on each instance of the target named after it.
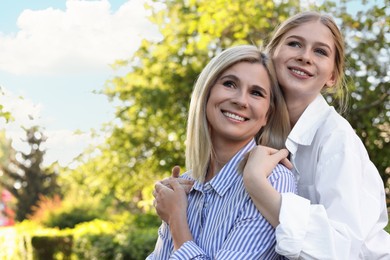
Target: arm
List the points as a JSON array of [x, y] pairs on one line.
[[347, 211], [252, 237], [262, 160], [171, 206], [248, 234]]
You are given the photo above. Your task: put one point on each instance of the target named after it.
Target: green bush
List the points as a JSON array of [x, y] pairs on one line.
[[69, 218], [52, 247], [139, 243], [126, 237], [102, 246]]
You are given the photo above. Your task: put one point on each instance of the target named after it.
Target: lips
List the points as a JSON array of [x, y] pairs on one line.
[[300, 72], [234, 116]]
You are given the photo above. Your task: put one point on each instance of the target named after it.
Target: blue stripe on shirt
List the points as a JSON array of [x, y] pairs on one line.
[[224, 222]]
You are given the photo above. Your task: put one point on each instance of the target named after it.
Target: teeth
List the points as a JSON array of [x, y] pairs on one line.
[[299, 72], [233, 116]]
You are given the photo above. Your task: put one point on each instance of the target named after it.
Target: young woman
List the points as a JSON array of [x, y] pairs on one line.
[[233, 105], [340, 211]]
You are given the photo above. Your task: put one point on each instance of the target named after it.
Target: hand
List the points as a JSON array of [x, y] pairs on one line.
[[170, 204], [264, 159], [186, 184]]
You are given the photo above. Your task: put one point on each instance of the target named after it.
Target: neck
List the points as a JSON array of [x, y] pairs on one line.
[[221, 155], [295, 108]]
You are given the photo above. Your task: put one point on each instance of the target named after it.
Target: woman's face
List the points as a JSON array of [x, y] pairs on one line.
[[238, 103], [305, 61]]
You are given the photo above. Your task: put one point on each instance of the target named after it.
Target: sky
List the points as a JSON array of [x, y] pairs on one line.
[[54, 56]]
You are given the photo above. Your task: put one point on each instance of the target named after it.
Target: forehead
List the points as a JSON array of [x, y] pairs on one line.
[[313, 31], [249, 73]]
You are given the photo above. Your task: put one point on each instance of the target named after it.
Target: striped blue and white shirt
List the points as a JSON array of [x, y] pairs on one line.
[[224, 222]]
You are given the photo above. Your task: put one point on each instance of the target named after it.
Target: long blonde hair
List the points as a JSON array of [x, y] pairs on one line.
[[199, 145]]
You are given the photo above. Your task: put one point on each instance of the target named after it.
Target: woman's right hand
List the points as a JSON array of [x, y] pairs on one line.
[[262, 160]]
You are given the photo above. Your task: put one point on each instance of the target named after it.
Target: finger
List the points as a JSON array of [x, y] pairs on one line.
[[281, 156], [184, 182], [154, 193], [266, 149], [175, 185], [159, 186], [176, 171], [165, 181], [187, 188], [286, 162]]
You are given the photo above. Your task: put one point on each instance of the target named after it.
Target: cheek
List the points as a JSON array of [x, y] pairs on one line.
[[264, 110]]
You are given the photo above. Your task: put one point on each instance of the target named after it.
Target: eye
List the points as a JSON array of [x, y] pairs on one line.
[[321, 52], [294, 44], [229, 84], [258, 93]]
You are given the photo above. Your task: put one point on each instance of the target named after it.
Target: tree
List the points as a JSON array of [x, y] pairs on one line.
[[149, 137], [25, 177], [368, 54]]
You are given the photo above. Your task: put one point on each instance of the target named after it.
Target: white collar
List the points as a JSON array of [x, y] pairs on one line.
[[308, 123]]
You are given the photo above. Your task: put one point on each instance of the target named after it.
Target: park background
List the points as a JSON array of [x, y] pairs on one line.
[[100, 205]]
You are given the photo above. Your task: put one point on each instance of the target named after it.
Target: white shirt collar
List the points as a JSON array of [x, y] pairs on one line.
[[307, 125]]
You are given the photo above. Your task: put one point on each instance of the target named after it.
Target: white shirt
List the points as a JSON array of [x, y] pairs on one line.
[[341, 210]]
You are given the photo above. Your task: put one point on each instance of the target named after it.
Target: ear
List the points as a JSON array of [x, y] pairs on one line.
[[331, 81]]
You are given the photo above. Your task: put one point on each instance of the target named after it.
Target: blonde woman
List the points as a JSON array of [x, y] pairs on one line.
[[235, 103], [340, 210]]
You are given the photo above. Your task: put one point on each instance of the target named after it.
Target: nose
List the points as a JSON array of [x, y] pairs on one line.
[[241, 99], [305, 56]]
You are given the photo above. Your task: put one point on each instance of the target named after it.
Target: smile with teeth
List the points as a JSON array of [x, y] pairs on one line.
[[299, 72], [234, 116]]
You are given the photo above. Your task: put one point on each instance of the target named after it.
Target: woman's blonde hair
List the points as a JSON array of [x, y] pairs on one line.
[[199, 146], [340, 86]]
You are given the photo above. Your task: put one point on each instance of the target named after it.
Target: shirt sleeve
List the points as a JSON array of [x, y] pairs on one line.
[[350, 208], [251, 238]]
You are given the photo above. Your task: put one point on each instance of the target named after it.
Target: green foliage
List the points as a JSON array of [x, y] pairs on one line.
[[368, 52], [46, 247], [54, 213], [69, 218], [123, 237], [131, 237], [149, 139], [148, 136]]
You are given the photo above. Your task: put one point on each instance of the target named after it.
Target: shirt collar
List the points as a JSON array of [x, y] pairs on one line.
[[305, 129], [228, 175]]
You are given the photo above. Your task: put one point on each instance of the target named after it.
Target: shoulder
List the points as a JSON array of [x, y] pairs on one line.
[[282, 179], [338, 132]]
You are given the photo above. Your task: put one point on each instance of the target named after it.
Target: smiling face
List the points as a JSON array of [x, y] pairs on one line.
[[304, 62], [238, 103]]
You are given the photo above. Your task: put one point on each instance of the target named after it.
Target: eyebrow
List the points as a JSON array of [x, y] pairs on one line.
[[237, 79], [303, 39]]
